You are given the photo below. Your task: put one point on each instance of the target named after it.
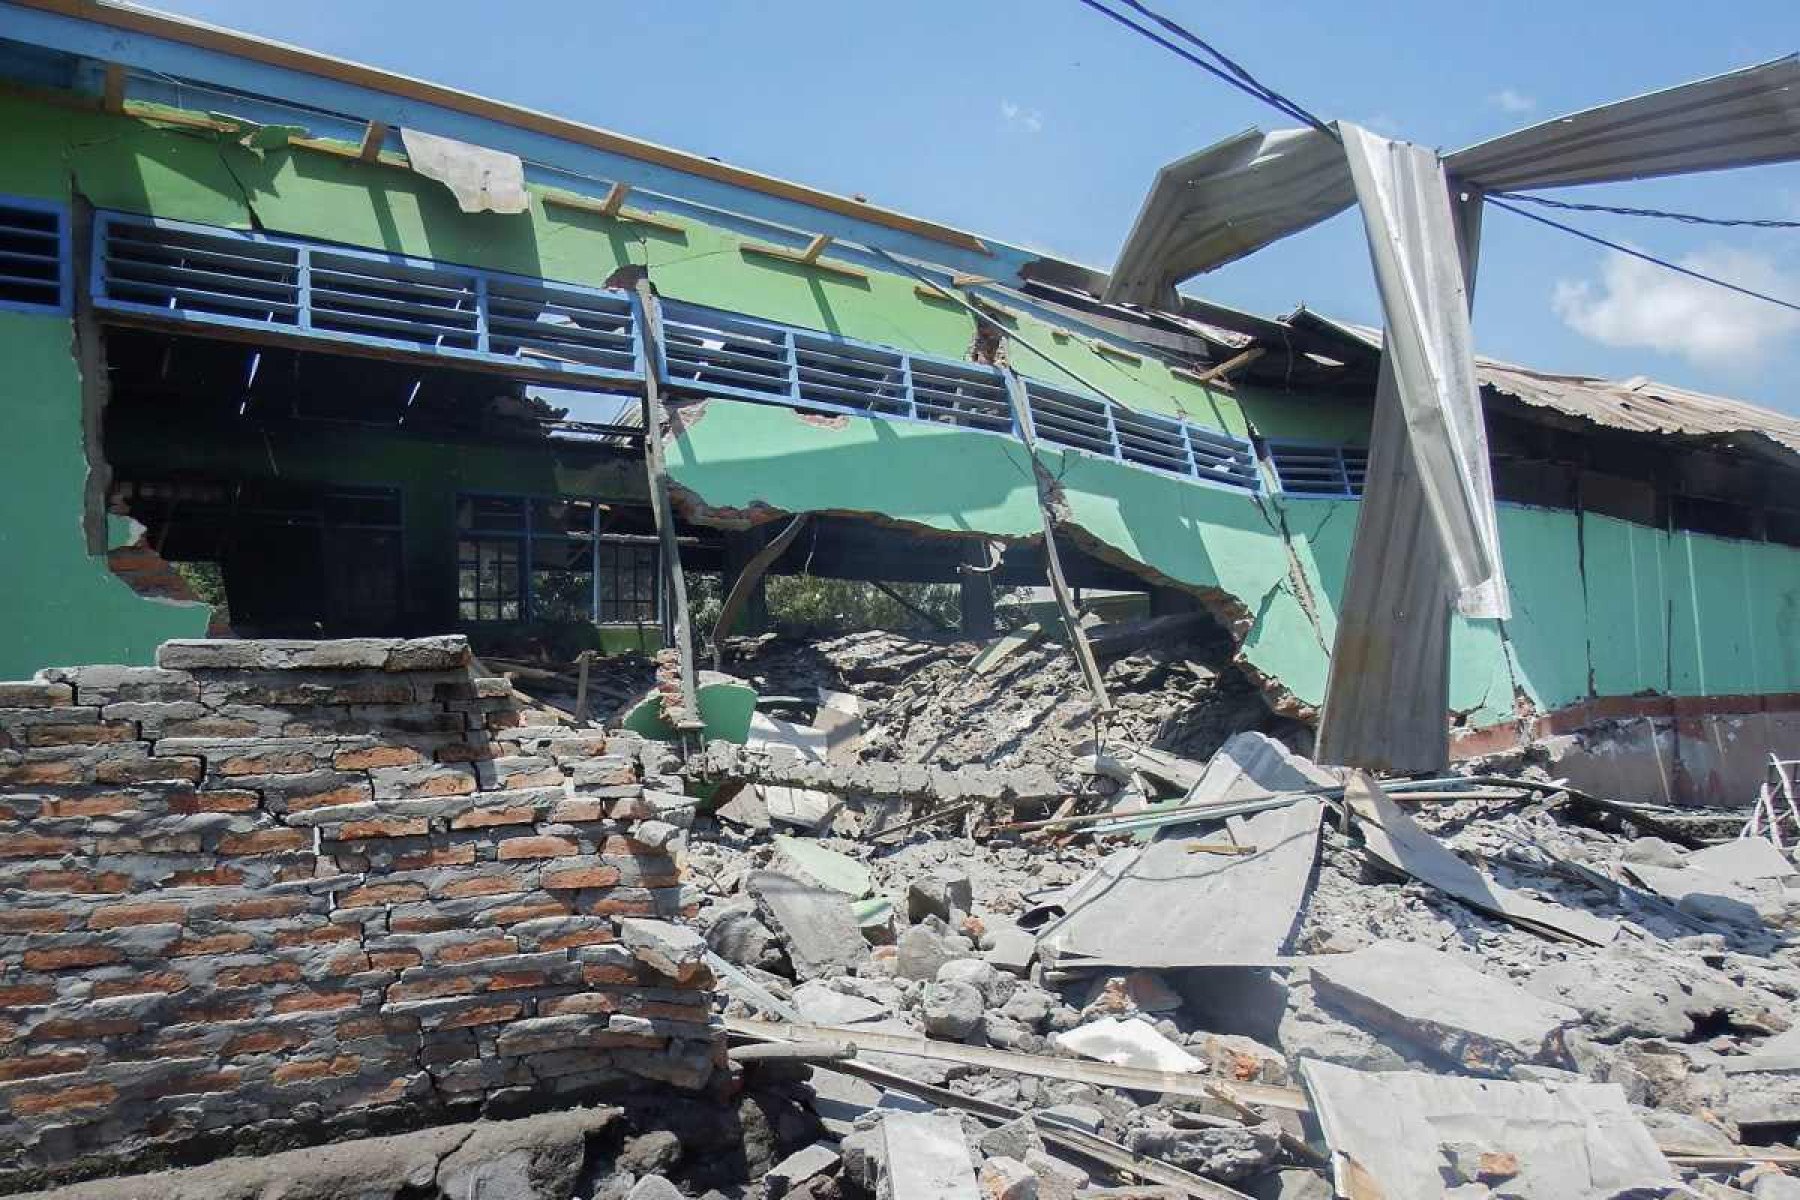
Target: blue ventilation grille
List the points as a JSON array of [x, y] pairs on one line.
[[173, 271], [181, 272], [1308, 469], [34, 257]]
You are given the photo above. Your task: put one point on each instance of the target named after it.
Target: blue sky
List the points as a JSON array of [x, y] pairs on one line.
[[1041, 123]]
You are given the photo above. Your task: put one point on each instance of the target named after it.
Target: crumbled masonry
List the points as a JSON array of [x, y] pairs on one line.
[[273, 893]]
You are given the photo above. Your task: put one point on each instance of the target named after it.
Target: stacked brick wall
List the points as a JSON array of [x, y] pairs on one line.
[[267, 883]]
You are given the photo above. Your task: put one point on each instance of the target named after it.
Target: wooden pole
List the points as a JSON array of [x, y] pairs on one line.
[[650, 321]]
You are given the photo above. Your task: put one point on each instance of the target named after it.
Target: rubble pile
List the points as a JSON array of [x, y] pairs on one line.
[[1534, 995], [928, 704]]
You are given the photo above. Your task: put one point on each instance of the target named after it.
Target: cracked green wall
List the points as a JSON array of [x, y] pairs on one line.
[[1684, 613]]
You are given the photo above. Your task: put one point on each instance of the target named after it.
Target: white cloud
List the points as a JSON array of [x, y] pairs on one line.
[[1639, 304], [1017, 116], [1512, 101]]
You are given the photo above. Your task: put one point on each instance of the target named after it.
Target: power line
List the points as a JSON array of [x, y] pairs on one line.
[[1660, 214], [1639, 254], [1240, 78]]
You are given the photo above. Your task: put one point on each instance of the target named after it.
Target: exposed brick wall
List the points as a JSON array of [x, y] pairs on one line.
[[278, 881]]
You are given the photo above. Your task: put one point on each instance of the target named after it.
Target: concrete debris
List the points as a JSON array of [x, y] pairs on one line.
[[1470, 1021], [924, 1157], [806, 859], [814, 924], [1211, 909], [1253, 765], [799, 1167], [1227, 1152], [1004, 1178], [1392, 1131]]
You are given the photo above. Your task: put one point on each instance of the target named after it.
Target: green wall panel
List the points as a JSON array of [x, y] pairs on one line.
[[59, 606]]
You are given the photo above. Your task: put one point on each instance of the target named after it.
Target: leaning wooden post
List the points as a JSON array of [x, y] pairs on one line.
[[650, 323], [1084, 653]]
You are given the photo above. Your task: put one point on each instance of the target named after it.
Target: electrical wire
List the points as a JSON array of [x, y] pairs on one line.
[[1658, 213], [1585, 236], [1240, 78]]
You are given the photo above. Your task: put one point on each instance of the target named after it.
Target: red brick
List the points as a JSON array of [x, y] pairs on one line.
[[19, 994], [394, 960], [162, 981], [215, 1009], [81, 882], [590, 1003], [583, 937], [95, 734], [479, 885], [87, 1095], [223, 800], [316, 1068], [580, 877], [505, 981], [274, 762], [32, 920], [396, 827], [353, 793], [113, 916], [377, 756], [107, 805], [315, 936], [61, 957], [212, 727], [484, 818], [264, 1042], [599, 975], [279, 972], [149, 770], [317, 1002], [441, 856], [41, 772], [218, 943], [265, 841], [576, 811], [431, 989], [537, 847], [433, 924], [83, 1029], [469, 951], [32, 845], [215, 877], [528, 912], [451, 783], [33, 1066], [261, 910], [547, 777], [350, 962], [485, 1014], [382, 893]]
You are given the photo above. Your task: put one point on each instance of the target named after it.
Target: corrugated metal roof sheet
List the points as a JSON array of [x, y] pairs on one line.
[[1735, 120], [1234, 198], [1637, 405]]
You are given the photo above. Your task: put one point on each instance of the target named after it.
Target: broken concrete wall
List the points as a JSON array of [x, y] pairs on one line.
[[273, 879], [1602, 608]]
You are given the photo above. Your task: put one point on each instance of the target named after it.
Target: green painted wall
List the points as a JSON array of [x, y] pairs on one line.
[[1685, 613], [59, 604]]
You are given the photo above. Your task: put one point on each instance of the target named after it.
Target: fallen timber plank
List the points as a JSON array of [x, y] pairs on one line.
[[1100, 1074]]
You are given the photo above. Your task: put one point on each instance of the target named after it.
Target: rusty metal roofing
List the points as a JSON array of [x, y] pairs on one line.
[[1636, 405]]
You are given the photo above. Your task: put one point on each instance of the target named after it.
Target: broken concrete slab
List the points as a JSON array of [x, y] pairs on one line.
[[1004, 1178], [1127, 1043], [798, 1167], [814, 923], [821, 1004], [1393, 838], [1625, 991], [925, 1157], [806, 859], [1211, 909], [1445, 1009], [1387, 1130], [747, 809], [944, 892], [1743, 860], [1225, 1153], [665, 947], [1702, 894], [801, 807], [1253, 765], [1009, 948]]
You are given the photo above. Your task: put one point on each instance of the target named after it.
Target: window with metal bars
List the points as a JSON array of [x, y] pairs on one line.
[[550, 559], [34, 255]]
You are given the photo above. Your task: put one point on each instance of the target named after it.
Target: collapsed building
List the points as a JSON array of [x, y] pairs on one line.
[[322, 376]]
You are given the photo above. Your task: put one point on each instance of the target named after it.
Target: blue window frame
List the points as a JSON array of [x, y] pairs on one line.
[[35, 273], [525, 558], [1319, 471]]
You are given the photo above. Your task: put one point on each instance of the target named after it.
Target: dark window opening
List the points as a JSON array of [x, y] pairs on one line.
[[563, 560], [34, 255]]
